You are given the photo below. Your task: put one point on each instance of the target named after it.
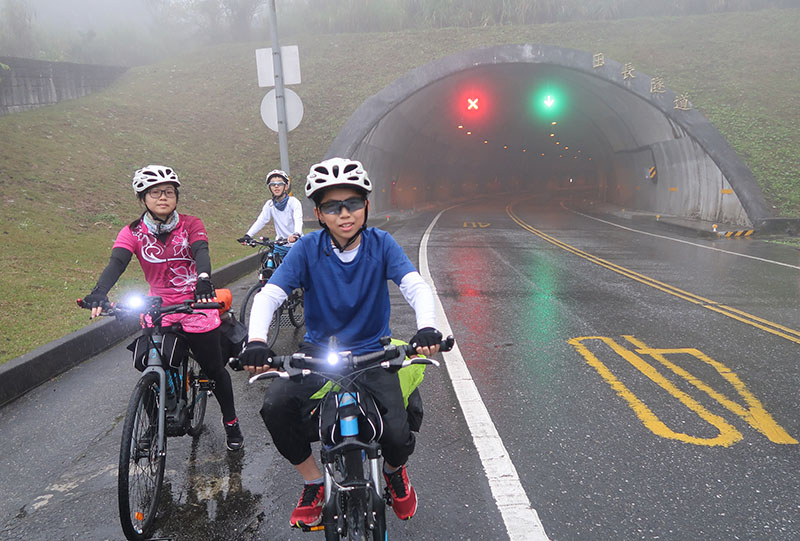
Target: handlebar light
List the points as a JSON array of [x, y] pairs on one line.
[[134, 301], [333, 358]]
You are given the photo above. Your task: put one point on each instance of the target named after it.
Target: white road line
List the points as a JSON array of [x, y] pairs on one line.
[[687, 242], [521, 520]]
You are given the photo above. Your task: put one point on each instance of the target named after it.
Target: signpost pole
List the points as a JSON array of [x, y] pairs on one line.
[[280, 99]]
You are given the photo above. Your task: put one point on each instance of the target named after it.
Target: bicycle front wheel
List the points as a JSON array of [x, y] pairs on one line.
[[296, 314], [141, 469], [244, 314], [247, 304], [198, 398]]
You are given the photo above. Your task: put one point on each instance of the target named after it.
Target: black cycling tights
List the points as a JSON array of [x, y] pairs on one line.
[[207, 351]]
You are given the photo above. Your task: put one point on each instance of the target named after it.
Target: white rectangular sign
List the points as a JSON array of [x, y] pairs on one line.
[[290, 58]]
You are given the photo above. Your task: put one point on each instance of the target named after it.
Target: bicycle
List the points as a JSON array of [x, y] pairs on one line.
[[293, 305], [355, 505], [168, 400]]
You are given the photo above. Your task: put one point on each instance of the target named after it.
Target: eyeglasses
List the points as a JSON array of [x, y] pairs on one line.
[[156, 193], [335, 207], [273, 184]]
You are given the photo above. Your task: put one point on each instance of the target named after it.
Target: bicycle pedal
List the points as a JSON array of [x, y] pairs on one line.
[[301, 526], [206, 384]]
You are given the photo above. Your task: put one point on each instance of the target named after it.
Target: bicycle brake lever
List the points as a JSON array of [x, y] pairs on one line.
[[270, 374]]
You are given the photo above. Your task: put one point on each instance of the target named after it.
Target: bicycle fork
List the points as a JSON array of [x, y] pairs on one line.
[[154, 365]]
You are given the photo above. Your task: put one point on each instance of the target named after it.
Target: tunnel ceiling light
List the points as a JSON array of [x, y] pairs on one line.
[[553, 123], [552, 135], [485, 142], [469, 133], [460, 126], [558, 143]]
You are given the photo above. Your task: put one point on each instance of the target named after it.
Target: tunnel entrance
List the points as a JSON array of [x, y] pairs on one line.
[[546, 120]]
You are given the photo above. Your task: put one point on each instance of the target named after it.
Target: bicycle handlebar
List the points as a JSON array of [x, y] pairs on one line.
[[153, 307], [392, 356], [264, 241]]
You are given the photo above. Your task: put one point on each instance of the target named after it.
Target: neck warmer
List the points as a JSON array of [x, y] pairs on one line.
[[281, 205], [156, 226]]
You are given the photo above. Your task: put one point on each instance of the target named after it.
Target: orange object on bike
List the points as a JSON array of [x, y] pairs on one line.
[[224, 297]]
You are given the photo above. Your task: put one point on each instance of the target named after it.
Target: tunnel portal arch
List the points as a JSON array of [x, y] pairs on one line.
[[629, 145]]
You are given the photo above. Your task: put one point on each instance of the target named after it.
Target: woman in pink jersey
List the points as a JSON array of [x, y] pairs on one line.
[[172, 249]]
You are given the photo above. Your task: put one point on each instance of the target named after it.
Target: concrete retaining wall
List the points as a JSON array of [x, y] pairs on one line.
[[26, 84]]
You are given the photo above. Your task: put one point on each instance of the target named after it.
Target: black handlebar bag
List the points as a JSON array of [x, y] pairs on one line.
[[370, 422], [174, 349]]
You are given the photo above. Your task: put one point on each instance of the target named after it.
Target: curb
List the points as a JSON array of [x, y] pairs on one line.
[[20, 375]]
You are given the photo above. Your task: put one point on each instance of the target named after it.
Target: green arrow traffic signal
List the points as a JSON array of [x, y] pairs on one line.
[[548, 101]]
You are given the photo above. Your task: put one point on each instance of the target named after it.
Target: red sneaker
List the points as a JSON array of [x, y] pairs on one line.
[[309, 508], [404, 497]]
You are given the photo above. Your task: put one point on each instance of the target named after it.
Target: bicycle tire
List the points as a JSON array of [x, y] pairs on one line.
[[356, 506], [274, 324], [297, 313], [141, 471], [198, 399], [247, 303], [379, 514]]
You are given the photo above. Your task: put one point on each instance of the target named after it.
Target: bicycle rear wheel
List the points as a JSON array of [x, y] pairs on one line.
[[244, 315], [296, 314], [198, 398], [141, 469]]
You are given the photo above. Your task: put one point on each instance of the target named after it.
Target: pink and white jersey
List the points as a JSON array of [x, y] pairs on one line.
[[169, 268]]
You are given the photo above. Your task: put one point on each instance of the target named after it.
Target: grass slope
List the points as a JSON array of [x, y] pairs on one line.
[[65, 169]]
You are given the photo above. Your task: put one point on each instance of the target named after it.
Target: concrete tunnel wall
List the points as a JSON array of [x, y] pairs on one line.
[[406, 137]]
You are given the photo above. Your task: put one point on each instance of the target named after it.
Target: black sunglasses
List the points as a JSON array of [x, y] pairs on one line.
[[335, 207]]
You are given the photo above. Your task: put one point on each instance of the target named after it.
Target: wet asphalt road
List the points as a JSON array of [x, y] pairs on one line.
[[644, 389]]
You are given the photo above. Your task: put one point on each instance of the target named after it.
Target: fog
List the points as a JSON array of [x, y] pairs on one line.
[[83, 15]]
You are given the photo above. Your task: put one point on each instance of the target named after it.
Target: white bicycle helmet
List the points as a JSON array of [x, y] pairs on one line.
[[337, 172], [147, 177], [279, 173]]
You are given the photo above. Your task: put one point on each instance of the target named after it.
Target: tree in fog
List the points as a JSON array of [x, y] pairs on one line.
[[16, 29], [212, 21]]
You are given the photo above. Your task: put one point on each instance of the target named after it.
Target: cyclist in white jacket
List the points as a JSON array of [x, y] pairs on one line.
[[285, 211]]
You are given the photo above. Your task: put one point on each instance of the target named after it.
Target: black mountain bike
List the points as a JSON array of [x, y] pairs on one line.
[[292, 306], [168, 400], [355, 503]]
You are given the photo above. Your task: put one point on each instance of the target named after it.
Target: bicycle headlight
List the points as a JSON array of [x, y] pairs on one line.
[[333, 358], [134, 301]]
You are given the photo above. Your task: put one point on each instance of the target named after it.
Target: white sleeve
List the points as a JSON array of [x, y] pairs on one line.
[[419, 295], [298, 218], [261, 221], [265, 303]]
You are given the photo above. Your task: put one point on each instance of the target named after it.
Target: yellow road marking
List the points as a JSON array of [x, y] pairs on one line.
[[754, 413], [739, 315], [728, 435]]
